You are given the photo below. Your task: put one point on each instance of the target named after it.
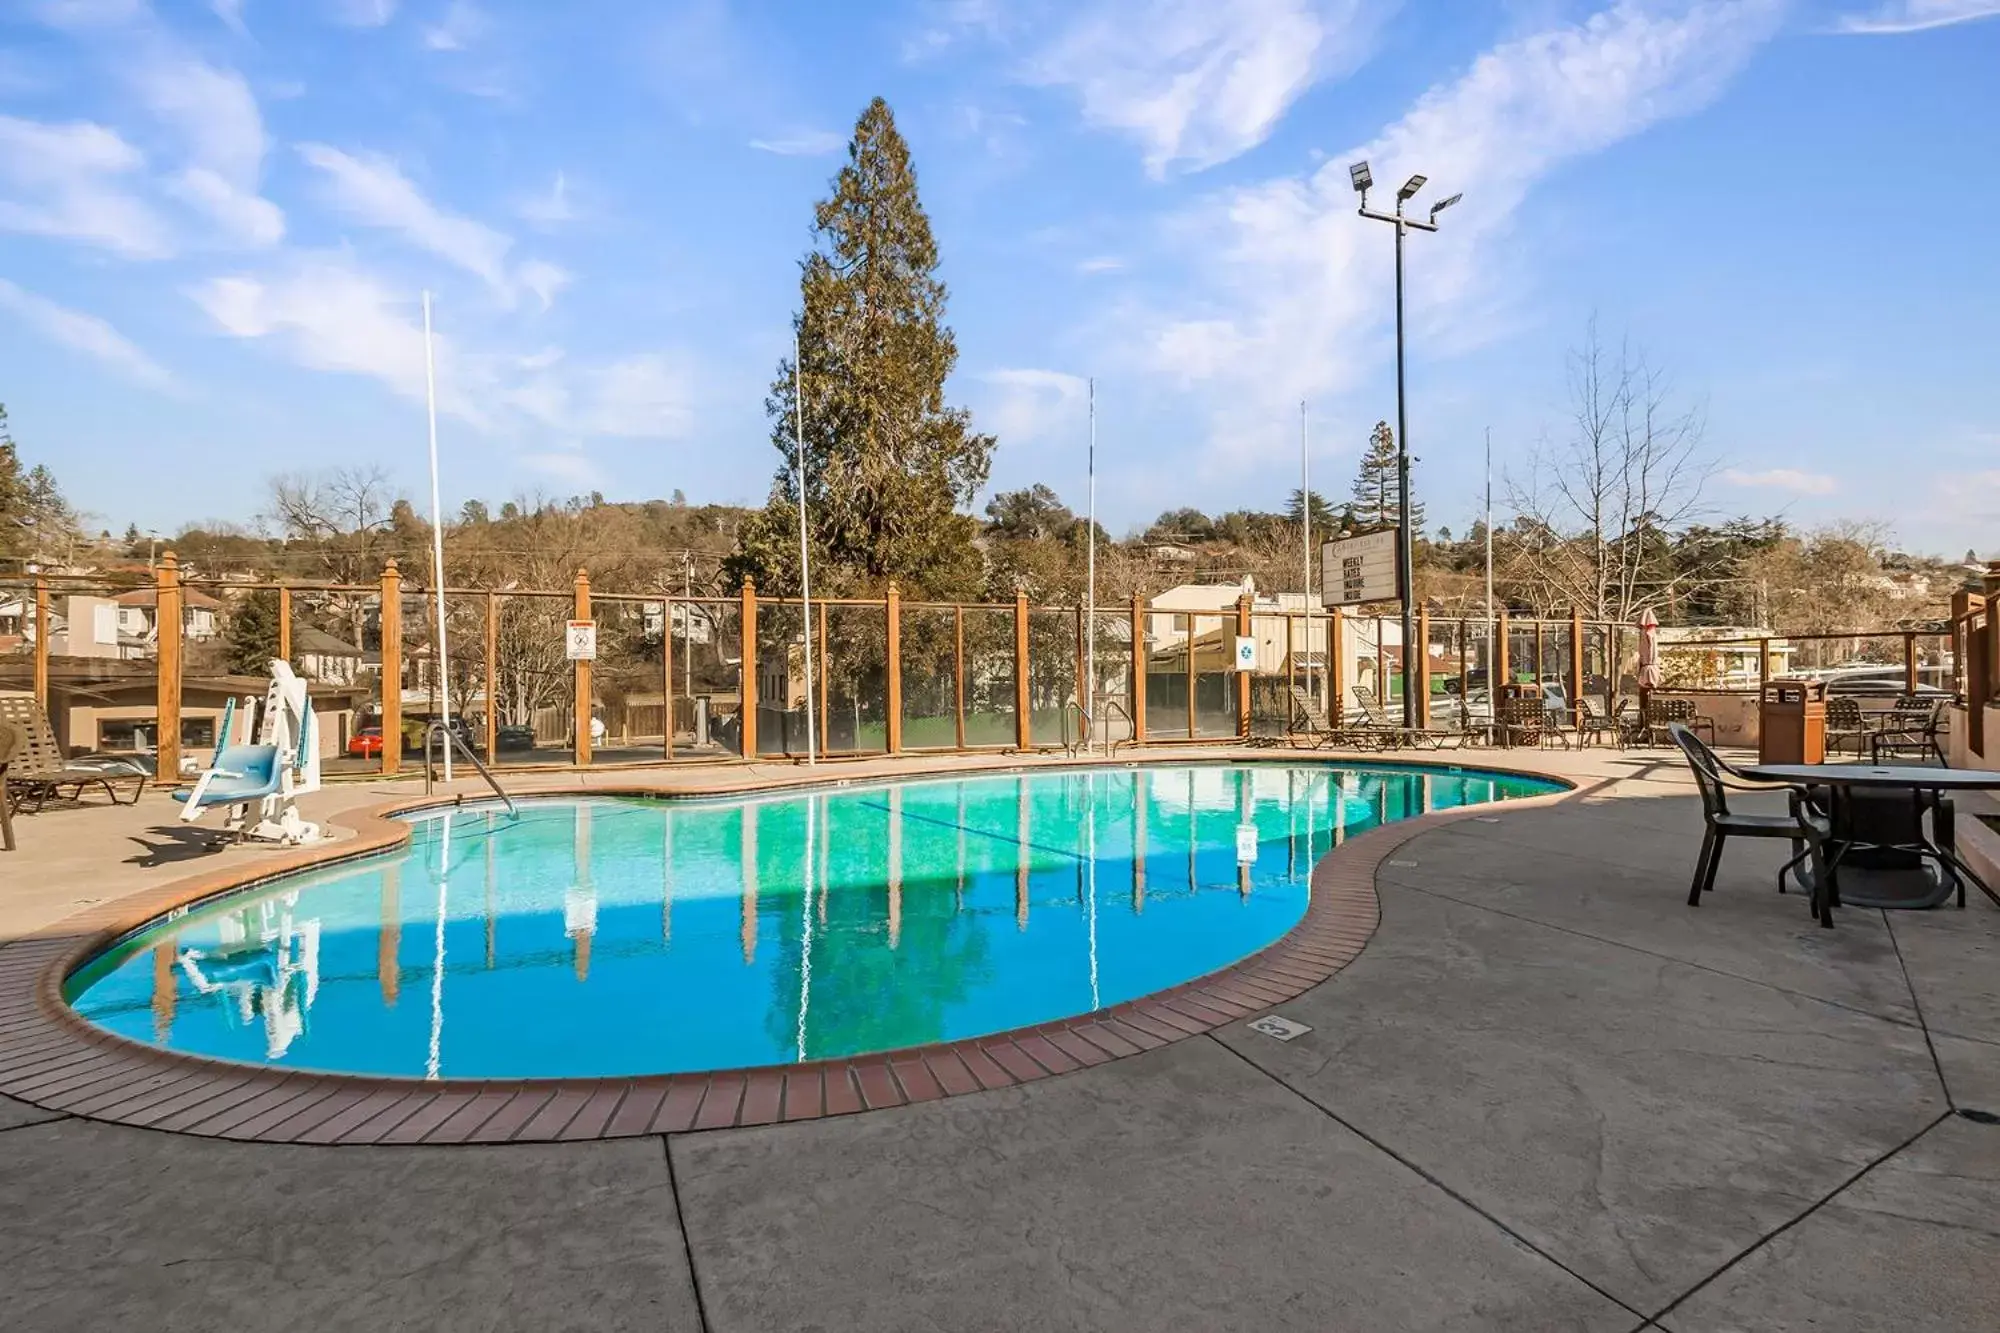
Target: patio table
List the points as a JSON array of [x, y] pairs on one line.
[[1849, 835]]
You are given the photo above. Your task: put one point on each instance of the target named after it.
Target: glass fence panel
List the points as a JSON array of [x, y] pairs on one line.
[[534, 682], [101, 692], [628, 703], [1270, 683], [708, 659], [1167, 680], [930, 678], [857, 679], [781, 678], [1053, 641], [990, 707], [1111, 637], [1215, 676]]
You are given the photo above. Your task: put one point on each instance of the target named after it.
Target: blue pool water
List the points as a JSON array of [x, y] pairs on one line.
[[602, 937]]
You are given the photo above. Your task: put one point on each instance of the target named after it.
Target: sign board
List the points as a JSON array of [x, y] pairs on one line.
[[1246, 653], [580, 641], [1359, 569], [1284, 1029], [1246, 844]]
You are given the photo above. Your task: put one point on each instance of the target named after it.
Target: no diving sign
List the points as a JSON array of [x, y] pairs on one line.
[[580, 641]]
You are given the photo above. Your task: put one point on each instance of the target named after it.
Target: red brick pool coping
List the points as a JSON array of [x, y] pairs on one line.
[[51, 1058]]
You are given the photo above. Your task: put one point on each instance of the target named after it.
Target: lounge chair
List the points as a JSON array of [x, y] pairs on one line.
[[1376, 723], [12, 741], [1319, 731], [1802, 826], [39, 773]]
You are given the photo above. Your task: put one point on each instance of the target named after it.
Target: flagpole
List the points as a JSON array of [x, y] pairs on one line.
[[1492, 656], [805, 557], [1306, 514], [1090, 595], [437, 550]]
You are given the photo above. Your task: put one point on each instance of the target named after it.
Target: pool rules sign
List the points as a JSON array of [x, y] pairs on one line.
[[1360, 569], [580, 640]]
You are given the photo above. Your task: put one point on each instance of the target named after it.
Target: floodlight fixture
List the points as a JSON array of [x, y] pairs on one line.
[[1411, 186], [1363, 179]]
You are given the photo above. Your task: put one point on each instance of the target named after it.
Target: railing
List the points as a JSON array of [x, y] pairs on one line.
[[1131, 736], [1082, 738], [437, 730]]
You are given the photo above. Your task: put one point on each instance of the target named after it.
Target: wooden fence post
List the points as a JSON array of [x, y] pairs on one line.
[[1138, 691], [1576, 667], [1243, 678], [1023, 721], [1334, 662], [284, 623], [894, 609], [491, 682], [167, 627], [1763, 666], [580, 728], [746, 674], [1421, 652], [44, 631], [1909, 662], [958, 674], [392, 668], [1503, 669]]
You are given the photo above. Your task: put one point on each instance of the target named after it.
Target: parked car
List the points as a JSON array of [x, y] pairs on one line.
[[1881, 685], [120, 765], [515, 736], [365, 744]]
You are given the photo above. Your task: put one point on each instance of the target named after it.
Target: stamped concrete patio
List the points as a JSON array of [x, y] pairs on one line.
[[1547, 1095]]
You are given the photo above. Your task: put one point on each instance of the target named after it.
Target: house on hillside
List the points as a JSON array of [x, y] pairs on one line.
[[200, 614], [324, 658]]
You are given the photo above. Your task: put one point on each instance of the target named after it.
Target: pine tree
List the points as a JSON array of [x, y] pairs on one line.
[[252, 639], [13, 493], [1375, 488], [888, 463]]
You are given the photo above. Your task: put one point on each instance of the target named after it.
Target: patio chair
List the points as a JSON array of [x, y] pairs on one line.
[[12, 741], [1802, 826], [39, 773], [1596, 722], [1524, 722], [1658, 716], [1845, 725], [1910, 732]]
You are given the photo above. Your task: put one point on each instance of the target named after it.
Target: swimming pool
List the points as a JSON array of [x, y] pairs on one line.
[[594, 937]]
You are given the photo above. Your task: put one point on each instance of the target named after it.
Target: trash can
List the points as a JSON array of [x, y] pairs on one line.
[[1791, 723]]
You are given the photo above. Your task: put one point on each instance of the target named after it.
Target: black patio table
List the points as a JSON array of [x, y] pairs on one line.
[[1853, 834]]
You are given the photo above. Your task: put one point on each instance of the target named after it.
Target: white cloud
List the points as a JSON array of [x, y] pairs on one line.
[[325, 312], [373, 190], [567, 463], [76, 181], [231, 14], [1293, 288], [463, 24], [550, 210], [364, 13], [212, 110], [544, 279], [1783, 479], [1897, 16], [806, 143], [1027, 404], [1100, 264], [247, 217], [1198, 82], [84, 333]]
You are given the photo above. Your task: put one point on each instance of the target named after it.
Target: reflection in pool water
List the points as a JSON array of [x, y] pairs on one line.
[[610, 937]]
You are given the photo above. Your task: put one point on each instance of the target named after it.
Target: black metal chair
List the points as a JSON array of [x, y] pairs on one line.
[[1802, 826], [1845, 725], [1596, 722], [1910, 732]]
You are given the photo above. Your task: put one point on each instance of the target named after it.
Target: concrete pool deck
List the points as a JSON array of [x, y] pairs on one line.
[[1546, 1095]]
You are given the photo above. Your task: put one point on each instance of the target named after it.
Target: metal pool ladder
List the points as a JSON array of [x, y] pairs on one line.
[[438, 729]]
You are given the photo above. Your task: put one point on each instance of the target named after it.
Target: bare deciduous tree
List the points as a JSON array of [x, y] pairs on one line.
[[1598, 509]]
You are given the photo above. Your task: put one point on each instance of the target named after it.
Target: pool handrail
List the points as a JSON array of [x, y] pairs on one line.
[[436, 729]]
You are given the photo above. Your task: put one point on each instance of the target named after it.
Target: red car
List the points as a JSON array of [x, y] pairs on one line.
[[366, 744]]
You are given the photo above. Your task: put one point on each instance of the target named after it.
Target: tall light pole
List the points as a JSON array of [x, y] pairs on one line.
[[1405, 545]]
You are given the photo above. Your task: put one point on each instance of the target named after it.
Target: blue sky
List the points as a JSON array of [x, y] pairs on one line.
[[216, 219]]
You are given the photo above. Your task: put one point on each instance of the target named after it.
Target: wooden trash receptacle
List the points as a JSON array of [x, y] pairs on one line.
[[1791, 723]]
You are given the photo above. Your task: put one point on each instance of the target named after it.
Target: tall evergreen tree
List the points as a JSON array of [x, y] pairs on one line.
[[13, 493], [887, 463], [1376, 492], [251, 640]]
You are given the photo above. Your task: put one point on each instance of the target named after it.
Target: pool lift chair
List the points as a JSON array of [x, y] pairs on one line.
[[271, 775]]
